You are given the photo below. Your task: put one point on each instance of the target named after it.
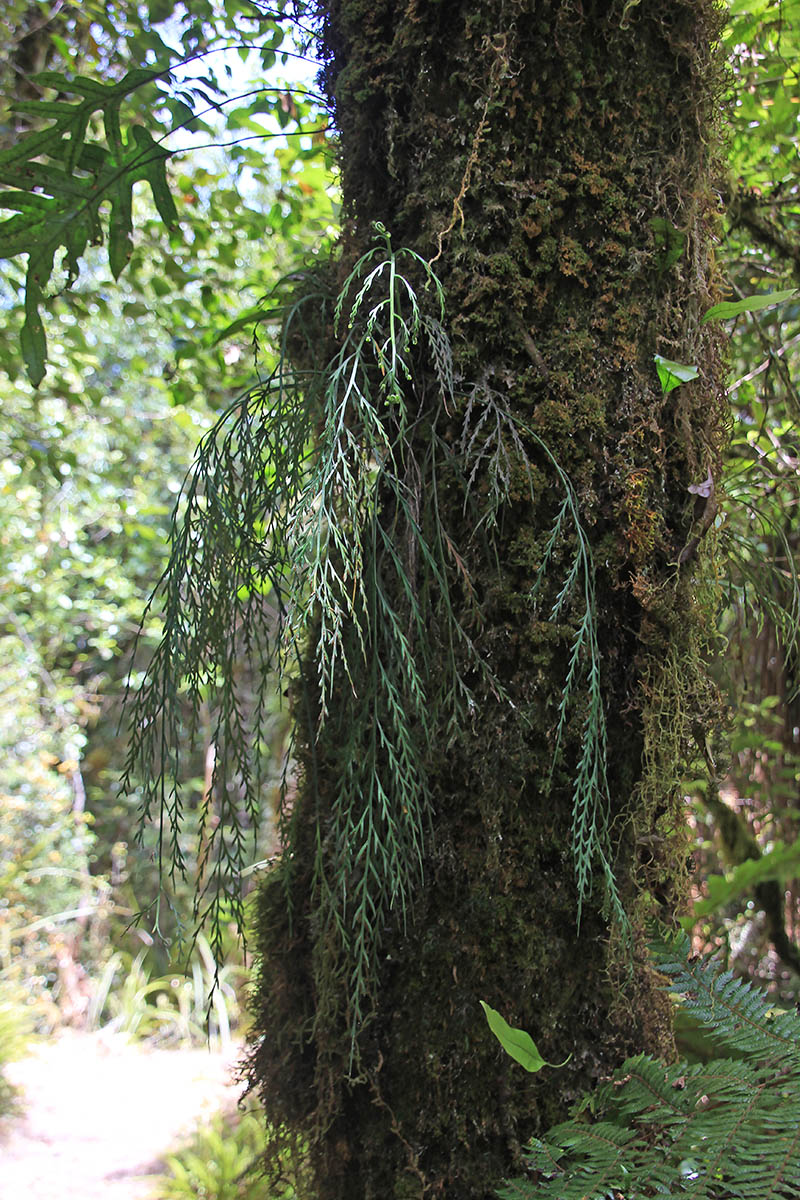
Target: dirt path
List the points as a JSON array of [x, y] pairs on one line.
[[100, 1113]]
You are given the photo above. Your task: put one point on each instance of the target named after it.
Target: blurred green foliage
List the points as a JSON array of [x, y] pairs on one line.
[[91, 463], [199, 1007], [223, 1162], [15, 1031], [746, 800]]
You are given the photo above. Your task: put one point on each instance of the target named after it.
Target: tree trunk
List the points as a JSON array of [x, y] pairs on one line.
[[548, 154]]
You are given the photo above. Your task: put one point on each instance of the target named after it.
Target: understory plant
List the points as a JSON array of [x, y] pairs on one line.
[[198, 1006], [15, 1031], [713, 1130], [223, 1160]]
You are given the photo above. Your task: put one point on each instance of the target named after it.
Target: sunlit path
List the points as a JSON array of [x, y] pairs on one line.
[[100, 1114]]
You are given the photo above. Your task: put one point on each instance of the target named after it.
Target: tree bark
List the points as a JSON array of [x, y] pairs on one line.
[[542, 152]]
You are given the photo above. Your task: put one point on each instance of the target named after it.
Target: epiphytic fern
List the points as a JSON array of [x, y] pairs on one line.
[[494, 440], [308, 518], [311, 520], [728, 1128]]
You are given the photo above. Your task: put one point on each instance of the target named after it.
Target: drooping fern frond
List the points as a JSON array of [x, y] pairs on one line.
[[310, 545], [493, 439], [308, 539], [224, 597], [591, 839], [363, 555], [729, 1128], [361, 450]]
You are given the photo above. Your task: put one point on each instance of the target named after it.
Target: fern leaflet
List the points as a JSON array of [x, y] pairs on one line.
[[717, 1131]]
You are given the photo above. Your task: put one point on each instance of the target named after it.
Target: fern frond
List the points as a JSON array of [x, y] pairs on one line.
[[308, 536], [224, 600], [604, 1163], [741, 1017], [310, 541], [723, 1130], [492, 439]]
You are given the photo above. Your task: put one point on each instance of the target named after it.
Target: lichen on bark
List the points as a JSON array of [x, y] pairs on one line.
[[530, 148]]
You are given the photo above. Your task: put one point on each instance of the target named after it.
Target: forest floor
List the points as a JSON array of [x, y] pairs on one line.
[[99, 1114]]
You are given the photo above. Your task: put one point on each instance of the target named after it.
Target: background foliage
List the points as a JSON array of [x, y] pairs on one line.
[[746, 803], [91, 463], [138, 370]]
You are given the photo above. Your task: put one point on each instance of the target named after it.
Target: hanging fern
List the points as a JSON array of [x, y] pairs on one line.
[[492, 440], [728, 1128], [304, 520], [309, 543]]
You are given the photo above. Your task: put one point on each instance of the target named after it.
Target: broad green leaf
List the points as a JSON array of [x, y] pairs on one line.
[[672, 374], [68, 213], [516, 1043], [733, 308]]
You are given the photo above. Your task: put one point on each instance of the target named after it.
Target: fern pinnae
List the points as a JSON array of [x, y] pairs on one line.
[[567, 588], [590, 792], [713, 1131], [309, 520], [441, 356], [556, 532], [741, 1015], [579, 642]]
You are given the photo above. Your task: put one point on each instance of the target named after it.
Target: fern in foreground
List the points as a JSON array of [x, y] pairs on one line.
[[728, 1128]]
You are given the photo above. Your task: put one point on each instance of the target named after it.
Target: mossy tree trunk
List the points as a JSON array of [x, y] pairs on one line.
[[549, 153]]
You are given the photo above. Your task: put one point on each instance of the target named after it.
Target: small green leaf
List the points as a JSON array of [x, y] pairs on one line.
[[733, 308], [516, 1043], [670, 242], [672, 374]]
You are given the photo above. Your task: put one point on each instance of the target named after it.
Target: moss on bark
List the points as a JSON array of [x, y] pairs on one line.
[[535, 148]]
